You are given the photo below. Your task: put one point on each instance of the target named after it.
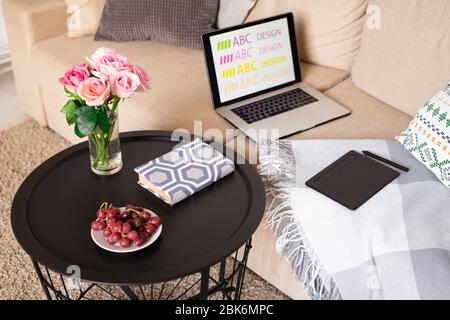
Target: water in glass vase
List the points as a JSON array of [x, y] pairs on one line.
[[104, 149]]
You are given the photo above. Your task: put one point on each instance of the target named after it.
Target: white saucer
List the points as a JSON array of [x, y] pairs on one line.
[[101, 241]]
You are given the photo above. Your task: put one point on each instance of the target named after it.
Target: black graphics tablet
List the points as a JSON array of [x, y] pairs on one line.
[[352, 179]]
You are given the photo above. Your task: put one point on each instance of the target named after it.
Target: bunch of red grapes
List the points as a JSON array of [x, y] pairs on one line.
[[131, 225]]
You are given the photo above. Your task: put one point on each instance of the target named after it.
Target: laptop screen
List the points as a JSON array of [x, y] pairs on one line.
[[251, 59]]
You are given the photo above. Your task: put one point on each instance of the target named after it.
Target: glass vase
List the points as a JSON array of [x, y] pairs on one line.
[[104, 148]]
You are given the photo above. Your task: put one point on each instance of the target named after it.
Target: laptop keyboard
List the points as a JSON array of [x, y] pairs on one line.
[[272, 106]]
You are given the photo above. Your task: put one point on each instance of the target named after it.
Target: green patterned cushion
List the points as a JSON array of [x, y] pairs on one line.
[[428, 135]]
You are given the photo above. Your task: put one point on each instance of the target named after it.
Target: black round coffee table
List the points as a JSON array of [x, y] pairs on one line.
[[54, 206]]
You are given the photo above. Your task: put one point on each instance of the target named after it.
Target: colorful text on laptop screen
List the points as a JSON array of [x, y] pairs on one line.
[[252, 59]]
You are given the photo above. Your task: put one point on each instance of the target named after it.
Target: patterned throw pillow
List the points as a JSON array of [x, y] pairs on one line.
[[428, 135], [175, 22]]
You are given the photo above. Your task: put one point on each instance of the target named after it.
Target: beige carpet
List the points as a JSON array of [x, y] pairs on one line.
[[22, 148]]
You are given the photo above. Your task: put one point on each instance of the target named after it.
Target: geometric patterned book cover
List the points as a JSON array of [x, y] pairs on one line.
[[183, 171], [428, 135]]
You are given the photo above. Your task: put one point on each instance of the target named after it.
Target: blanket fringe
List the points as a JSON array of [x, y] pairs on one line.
[[275, 167]]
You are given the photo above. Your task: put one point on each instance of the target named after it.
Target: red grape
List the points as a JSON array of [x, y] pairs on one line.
[[107, 232], [111, 220], [125, 243], [139, 242], [111, 215], [116, 236], [150, 228], [135, 215], [116, 227], [145, 215], [128, 221], [155, 220], [114, 210], [132, 235], [137, 224], [126, 228], [144, 235], [101, 225], [101, 213], [125, 215], [95, 225], [111, 239]]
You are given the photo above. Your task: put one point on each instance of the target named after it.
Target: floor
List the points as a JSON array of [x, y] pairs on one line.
[[10, 113]]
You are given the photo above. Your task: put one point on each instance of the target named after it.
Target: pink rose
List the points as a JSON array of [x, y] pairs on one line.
[[100, 52], [109, 64], [94, 91], [106, 61], [74, 76], [124, 83], [143, 77]]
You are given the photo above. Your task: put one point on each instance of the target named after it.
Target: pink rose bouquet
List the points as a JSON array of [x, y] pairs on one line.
[[95, 89]]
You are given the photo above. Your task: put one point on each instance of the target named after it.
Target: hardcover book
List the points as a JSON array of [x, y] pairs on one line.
[[183, 171]]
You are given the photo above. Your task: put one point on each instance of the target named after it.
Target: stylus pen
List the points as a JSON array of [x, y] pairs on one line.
[[392, 163]]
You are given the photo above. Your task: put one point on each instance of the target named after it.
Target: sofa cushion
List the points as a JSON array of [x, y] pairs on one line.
[[406, 61], [428, 135], [176, 22], [86, 14], [370, 118], [328, 32], [180, 90], [322, 78]]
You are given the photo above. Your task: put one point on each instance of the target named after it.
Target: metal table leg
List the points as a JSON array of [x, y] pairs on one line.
[[130, 293], [204, 284], [41, 279], [229, 283]]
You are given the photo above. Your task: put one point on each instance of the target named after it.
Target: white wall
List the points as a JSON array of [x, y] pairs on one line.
[[3, 37]]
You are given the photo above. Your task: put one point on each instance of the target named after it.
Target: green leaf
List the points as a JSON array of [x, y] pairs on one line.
[[67, 90], [85, 110], [78, 132], [78, 99], [75, 96], [86, 121], [103, 122], [69, 110]]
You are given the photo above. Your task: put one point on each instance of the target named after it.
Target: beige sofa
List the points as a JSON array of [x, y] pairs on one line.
[[382, 70]]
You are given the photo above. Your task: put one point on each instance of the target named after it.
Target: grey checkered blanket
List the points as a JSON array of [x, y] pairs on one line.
[[395, 246]]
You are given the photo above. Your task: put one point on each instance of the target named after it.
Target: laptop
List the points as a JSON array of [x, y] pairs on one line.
[[256, 82]]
